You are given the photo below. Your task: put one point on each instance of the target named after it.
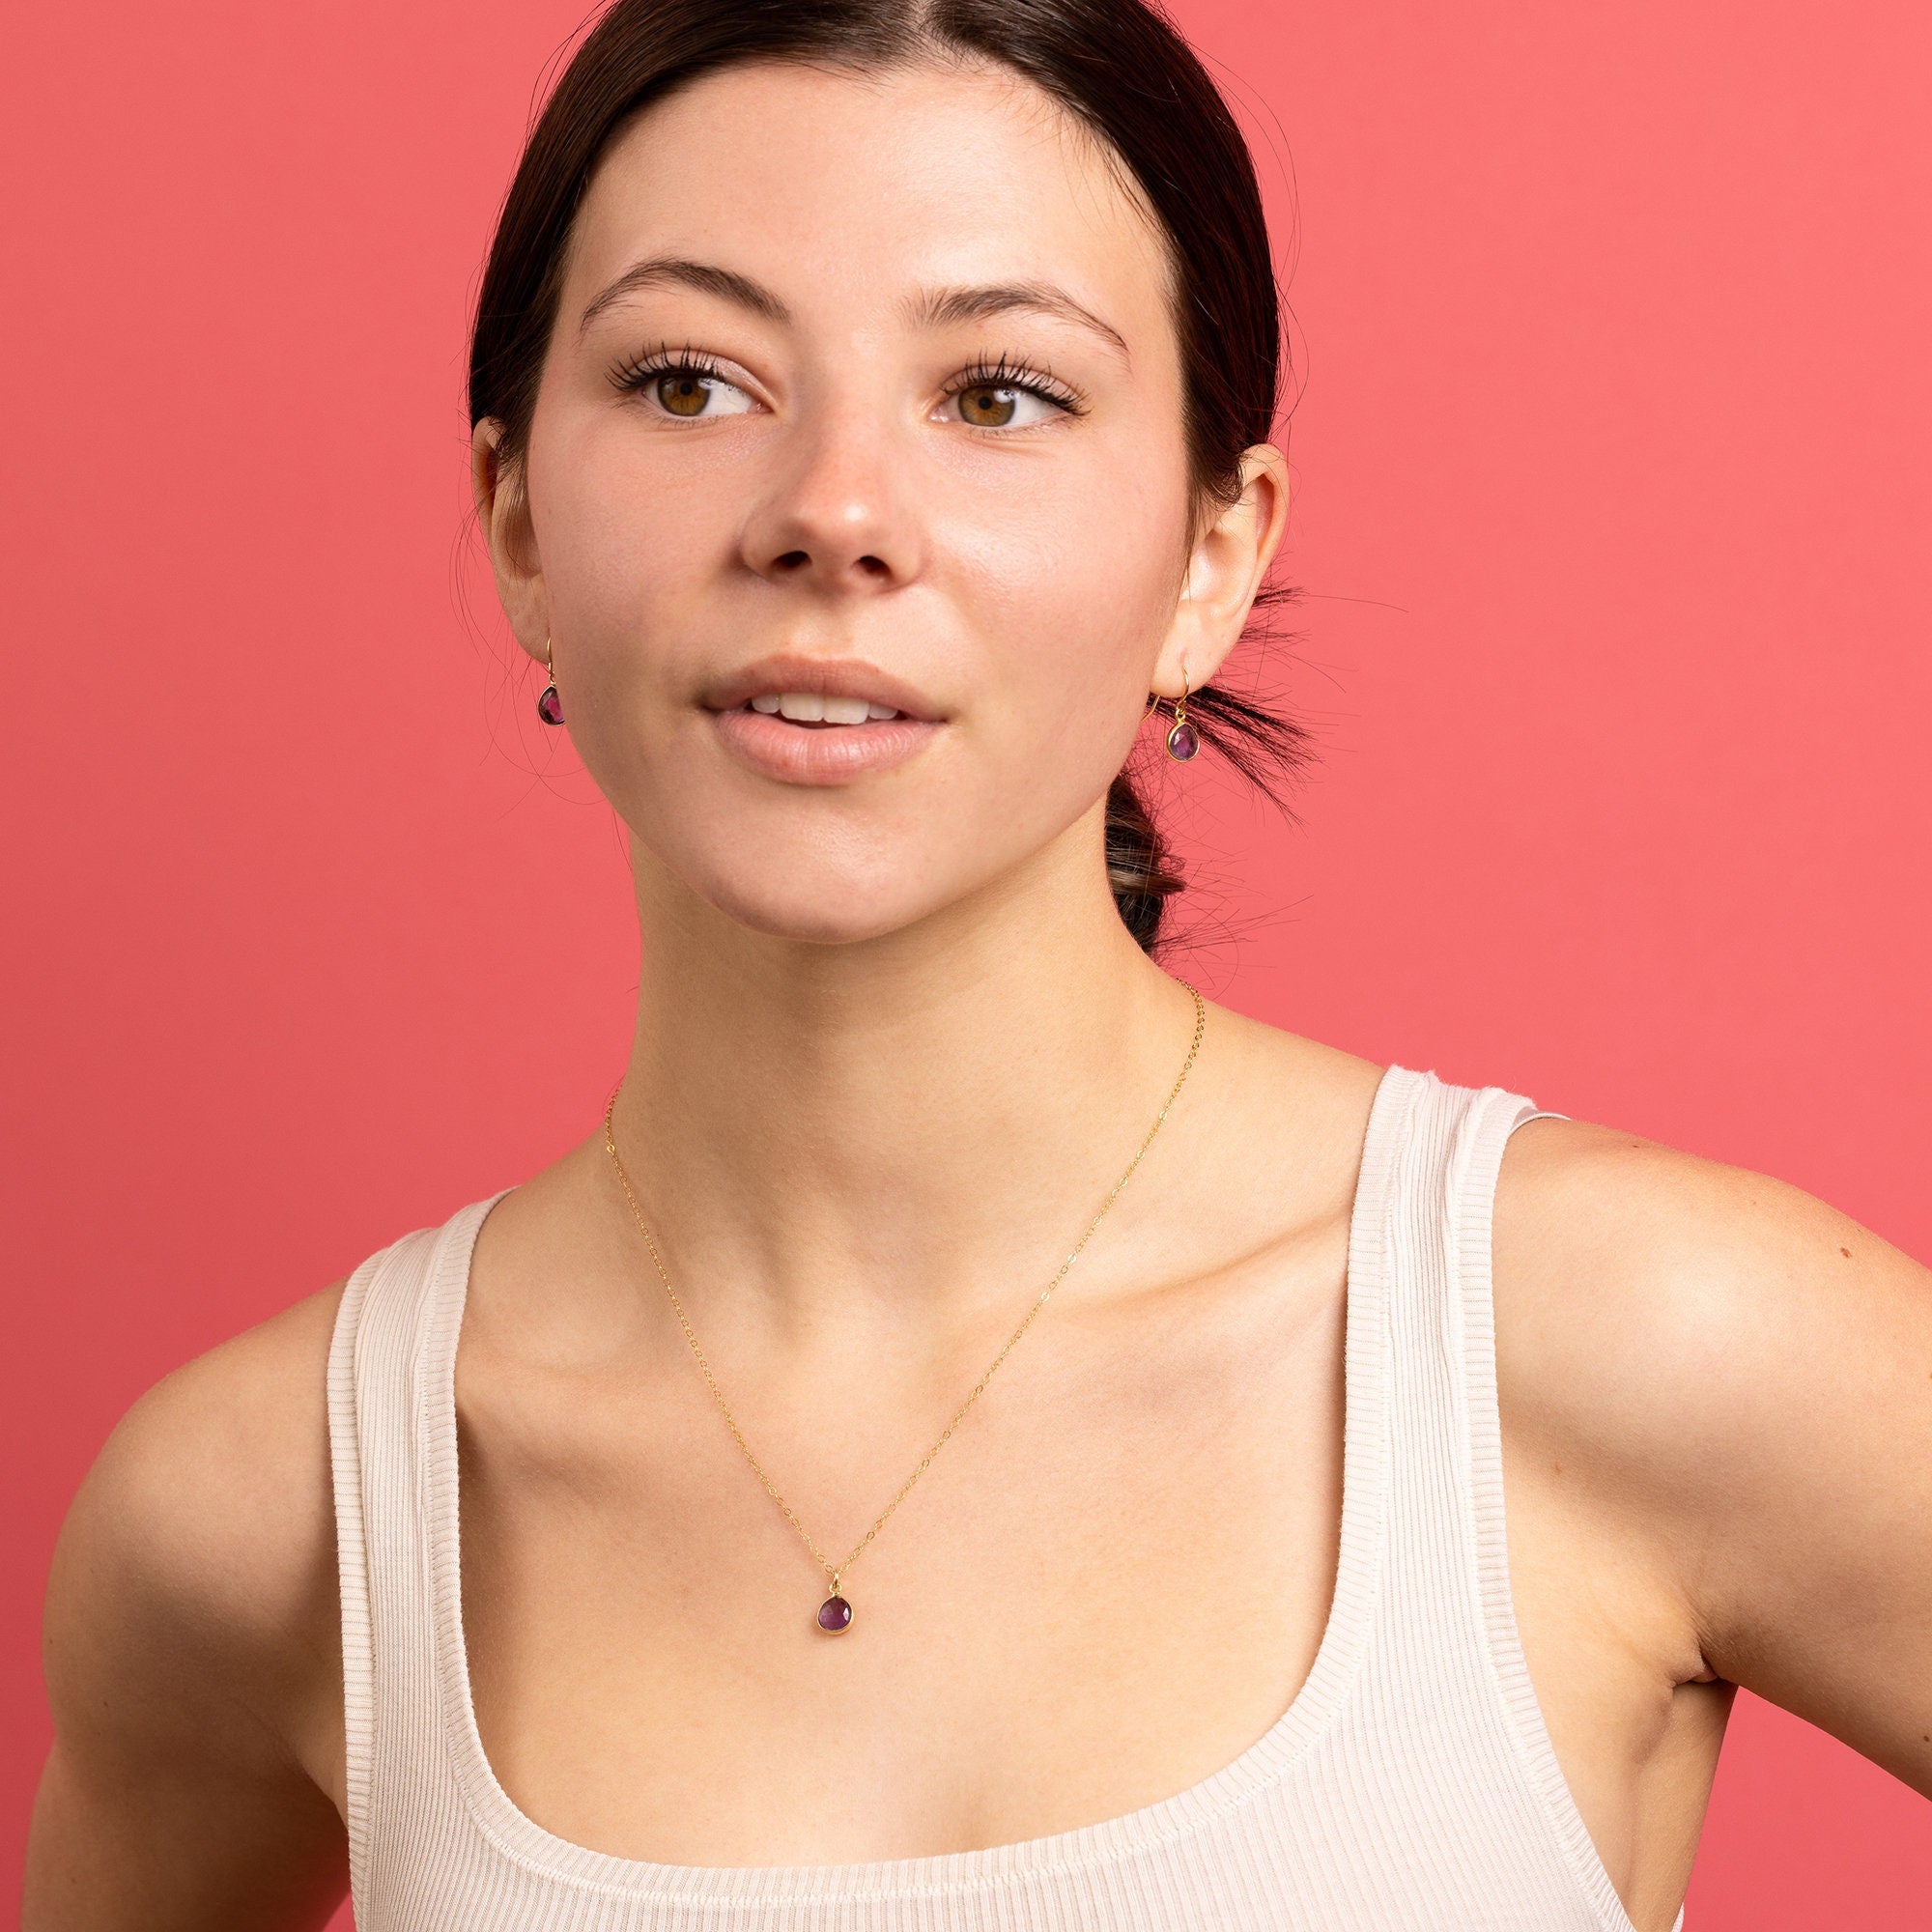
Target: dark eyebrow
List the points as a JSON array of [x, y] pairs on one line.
[[664, 272], [955, 305]]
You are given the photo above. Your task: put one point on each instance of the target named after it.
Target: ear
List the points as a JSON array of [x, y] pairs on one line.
[[505, 514], [1225, 570]]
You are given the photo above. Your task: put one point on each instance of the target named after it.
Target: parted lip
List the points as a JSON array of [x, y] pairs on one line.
[[830, 677]]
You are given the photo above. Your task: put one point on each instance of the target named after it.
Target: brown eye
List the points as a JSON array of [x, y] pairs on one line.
[[988, 408], [682, 393], [687, 391]]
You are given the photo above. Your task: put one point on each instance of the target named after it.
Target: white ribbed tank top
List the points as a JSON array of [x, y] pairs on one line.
[[1410, 1787]]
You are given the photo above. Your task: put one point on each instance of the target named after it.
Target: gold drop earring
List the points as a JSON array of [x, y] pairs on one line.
[[1184, 741], [550, 705]]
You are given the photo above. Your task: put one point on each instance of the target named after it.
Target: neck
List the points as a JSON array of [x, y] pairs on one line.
[[846, 1140]]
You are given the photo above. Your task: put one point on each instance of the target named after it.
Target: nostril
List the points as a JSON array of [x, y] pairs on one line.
[[792, 560], [874, 567]]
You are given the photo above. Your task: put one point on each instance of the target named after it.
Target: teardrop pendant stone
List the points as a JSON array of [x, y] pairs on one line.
[[550, 706], [1182, 742], [833, 1614]]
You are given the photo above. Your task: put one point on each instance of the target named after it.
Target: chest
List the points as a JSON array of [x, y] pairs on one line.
[[1108, 1584]]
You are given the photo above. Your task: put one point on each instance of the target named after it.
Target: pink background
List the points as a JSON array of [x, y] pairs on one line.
[[1613, 489]]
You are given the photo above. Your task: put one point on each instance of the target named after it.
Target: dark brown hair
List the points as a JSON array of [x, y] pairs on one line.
[[1120, 69]]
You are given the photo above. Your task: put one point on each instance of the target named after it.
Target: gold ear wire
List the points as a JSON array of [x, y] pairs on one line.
[[1156, 700]]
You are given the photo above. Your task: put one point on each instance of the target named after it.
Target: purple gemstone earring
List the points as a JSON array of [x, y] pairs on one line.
[[1184, 741], [550, 705]]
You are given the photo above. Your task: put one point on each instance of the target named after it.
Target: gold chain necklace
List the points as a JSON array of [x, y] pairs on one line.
[[834, 1613]]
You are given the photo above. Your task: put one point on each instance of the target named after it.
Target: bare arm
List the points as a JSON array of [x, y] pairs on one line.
[[1747, 1372], [192, 1651]]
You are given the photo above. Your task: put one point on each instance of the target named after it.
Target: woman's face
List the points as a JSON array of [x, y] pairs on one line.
[[864, 394]]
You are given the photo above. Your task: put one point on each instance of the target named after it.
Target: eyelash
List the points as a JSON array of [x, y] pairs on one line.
[[664, 360], [649, 365]]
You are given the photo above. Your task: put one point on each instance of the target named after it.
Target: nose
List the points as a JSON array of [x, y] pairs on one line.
[[836, 515]]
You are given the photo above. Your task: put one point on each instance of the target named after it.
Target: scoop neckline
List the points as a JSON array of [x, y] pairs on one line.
[[1337, 1662]]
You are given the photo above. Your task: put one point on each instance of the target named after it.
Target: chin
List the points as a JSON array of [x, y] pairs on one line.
[[824, 904]]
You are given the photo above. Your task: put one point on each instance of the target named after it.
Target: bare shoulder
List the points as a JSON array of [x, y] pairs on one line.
[[195, 1572], [1659, 1300], [192, 1651], [1740, 1374]]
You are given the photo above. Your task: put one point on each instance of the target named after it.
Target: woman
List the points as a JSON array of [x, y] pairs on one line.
[[976, 1437]]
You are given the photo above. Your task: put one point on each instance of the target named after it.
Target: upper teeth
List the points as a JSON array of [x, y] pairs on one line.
[[809, 707]]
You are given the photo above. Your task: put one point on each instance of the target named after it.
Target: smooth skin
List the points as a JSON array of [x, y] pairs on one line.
[[892, 1047]]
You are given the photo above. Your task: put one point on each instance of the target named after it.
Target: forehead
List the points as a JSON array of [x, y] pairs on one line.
[[859, 186]]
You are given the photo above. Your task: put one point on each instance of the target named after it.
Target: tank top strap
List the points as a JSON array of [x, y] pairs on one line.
[[384, 1372], [1495, 1114], [1446, 1617], [1441, 1331]]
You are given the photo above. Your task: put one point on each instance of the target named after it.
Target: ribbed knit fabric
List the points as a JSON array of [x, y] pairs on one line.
[[1410, 1787]]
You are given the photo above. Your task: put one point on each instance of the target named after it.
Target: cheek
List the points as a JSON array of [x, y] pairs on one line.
[[624, 544], [636, 561], [1070, 587]]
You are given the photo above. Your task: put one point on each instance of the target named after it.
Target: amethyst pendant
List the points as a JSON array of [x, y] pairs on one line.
[[1182, 740], [833, 1614], [550, 706]]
